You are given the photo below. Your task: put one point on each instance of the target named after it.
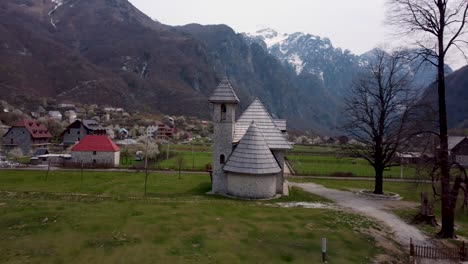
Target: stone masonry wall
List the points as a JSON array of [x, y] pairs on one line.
[[74, 135], [101, 158], [222, 144], [251, 186], [20, 137], [279, 155]]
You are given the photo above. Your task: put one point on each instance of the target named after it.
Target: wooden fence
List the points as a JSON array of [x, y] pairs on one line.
[[426, 252]]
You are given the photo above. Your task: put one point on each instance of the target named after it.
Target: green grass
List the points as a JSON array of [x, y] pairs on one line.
[[315, 149], [105, 183], [174, 226], [335, 166], [196, 161]]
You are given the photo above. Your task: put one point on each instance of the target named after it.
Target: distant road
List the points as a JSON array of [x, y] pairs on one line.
[[204, 172]]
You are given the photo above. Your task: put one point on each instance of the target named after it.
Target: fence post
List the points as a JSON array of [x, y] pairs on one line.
[[411, 250], [462, 252], [48, 169], [324, 249]]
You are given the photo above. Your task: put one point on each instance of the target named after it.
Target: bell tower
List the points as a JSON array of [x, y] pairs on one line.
[[224, 101]]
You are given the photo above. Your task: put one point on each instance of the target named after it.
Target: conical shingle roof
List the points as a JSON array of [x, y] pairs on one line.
[[272, 134], [252, 155], [224, 93]]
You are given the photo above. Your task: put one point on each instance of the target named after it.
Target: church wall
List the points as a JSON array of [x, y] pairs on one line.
[[251, 186], [222, 144], [279, 155]]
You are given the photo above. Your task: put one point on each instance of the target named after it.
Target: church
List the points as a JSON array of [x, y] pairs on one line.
[[248, 154]]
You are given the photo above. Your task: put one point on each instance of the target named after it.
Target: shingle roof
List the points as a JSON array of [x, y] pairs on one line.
[[100, 143], [92, 125], [257, 112], [224, 93], [252, 155], [35, 129], [454, 141], [281, 124]]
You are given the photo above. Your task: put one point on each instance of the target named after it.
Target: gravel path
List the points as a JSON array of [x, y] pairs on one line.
[[371, 208]]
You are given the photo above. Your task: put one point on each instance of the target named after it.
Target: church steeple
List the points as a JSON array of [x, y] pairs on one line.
[[224, 101], [224, 93]]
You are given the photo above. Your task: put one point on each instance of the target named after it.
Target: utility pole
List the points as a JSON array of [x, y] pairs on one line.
[[48, 169], [146, 162], [167, 150], [81, 179], [401, 167], [193, 156]]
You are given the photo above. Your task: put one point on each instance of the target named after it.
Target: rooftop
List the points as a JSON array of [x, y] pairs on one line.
[[101, 143], [224, 93], [454, 141], [272, 134], [252, 155], [35, 129]]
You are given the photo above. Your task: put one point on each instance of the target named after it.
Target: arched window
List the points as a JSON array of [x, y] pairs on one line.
[[223, 112], [221, 159]]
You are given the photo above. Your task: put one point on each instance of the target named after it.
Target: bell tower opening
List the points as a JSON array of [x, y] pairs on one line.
[[223, 112]]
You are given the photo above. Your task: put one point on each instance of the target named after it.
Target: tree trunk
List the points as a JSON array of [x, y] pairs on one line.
[[448, 211], [378, 189]]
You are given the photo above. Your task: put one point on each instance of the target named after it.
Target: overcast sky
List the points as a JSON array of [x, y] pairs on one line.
[[355, 25]]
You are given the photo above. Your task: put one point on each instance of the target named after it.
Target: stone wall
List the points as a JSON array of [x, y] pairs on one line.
[[18, 137], [97, 158], [74, 134], [279, 156], [251, 186], [222, 144]]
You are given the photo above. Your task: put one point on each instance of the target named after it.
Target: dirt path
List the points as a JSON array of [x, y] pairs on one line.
[[371, 208]]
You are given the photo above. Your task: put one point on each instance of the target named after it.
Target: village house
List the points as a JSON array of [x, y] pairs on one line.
[[27, 135], [70, 115], [79, 129], [56, 115], [248, 154], [458, 150], [160, 131], [96, 151]]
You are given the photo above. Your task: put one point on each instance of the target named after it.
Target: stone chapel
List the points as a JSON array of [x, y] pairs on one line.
[[248, 154]]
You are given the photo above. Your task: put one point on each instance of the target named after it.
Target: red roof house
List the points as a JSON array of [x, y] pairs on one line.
[[28, 135], [98, 150], [101, 143]]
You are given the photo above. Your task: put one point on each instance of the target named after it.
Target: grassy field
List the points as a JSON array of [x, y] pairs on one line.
[[315, 149], [191, 161], [47, 222], [336, 166], [408, 192]]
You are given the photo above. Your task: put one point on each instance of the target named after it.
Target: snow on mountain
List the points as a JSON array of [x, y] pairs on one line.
[[269, 36], [310, 55], [57, 3], [333, 68]]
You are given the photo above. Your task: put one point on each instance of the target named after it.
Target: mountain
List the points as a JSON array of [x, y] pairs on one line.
[[312, 55], [102, 51], [107, 52], [456, 96], [254, 72]]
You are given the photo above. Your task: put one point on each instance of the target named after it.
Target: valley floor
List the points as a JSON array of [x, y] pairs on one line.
[[104, 217]]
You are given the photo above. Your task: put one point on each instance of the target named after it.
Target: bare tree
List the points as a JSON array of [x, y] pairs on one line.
[[378, 112], [437, 26]]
